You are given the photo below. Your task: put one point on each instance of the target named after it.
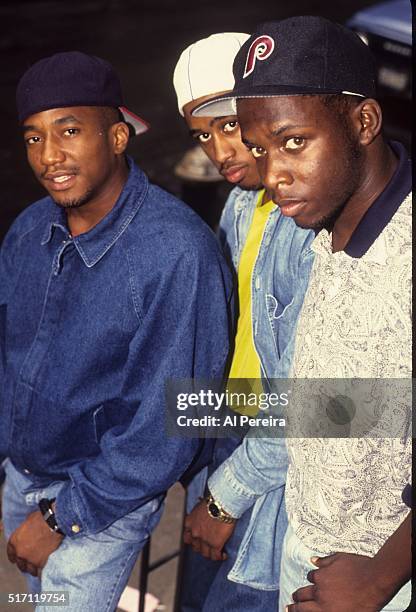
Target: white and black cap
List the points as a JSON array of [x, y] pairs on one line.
[[206, 67]]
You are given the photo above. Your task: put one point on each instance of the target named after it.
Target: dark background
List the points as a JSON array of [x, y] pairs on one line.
[[143, 40]]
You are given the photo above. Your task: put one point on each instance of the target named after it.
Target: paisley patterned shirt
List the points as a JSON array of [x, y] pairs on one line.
[[344, 494]]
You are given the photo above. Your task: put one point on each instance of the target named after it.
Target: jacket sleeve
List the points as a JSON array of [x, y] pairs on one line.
[[257, 466], [7, 273], [225, 226], [260, 464], [183, 333]]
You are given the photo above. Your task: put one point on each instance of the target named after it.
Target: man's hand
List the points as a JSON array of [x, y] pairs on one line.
[[343, 582], [205, 534], [31, 544]]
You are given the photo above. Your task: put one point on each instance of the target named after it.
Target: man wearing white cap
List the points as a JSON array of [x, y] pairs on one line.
[[271, 259]]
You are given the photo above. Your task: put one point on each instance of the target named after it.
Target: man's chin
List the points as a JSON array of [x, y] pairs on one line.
[[250, 186], [317, 226], [70, 203]]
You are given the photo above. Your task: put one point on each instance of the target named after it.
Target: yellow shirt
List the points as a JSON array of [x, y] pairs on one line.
[[246, 363]]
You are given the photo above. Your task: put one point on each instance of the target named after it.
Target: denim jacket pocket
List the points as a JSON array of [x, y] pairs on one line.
[[114, 414], [277, 313]]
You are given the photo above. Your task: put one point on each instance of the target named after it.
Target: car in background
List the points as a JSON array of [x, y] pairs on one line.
[[387, 29]]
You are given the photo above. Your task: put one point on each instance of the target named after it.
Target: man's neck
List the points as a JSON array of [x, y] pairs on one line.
[[377, 176], [84, 218]]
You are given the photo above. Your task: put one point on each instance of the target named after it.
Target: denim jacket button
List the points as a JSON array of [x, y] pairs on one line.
[[26, 471], [75, 528]]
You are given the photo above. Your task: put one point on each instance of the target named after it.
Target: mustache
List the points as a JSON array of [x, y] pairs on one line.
[[225, 167], [71, 170]]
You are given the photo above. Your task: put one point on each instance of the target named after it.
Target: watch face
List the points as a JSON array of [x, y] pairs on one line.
[[214, 509]]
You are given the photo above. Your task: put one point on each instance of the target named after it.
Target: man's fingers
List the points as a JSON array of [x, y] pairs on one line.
[[31, 569], [196, 544], [187, 523], [11, 553], [21, 564], [304, 594], [205, 550], [323, 561], [311, 576], [216, 554], [187, 536], [304, 606]]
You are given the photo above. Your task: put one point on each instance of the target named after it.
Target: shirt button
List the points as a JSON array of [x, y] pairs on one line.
[[26, 471], [75, 528]]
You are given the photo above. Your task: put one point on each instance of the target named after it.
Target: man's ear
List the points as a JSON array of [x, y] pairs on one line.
[[120, 137], [368, 119]]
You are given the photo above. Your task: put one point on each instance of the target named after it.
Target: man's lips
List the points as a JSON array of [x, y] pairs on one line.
[[290, 208], [234, 174], [59, 181]]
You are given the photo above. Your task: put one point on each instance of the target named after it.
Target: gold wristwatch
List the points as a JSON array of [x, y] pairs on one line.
[[216, 512]]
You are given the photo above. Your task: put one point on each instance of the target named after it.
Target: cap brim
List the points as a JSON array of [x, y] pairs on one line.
[[139, 125], [227, 104], [216, 107]]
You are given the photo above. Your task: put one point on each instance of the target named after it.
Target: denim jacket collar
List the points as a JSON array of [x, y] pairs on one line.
[[93, 245]]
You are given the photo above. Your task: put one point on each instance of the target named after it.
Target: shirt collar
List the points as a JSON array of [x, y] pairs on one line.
[[384, 207], [261, 202], [93, 245]]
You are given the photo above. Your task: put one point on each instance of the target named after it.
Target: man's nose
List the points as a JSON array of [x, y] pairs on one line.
[[223, 150], [52, 153], [276, 175]]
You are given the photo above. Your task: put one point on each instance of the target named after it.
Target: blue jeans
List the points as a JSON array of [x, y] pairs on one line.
[[296, 564], [94, 569], [206, 587]]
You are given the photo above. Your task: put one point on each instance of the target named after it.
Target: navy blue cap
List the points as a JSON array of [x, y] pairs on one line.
[[72, 79], [299, 55]]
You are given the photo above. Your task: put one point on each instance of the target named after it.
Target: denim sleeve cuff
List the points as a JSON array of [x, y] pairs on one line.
[[230, 495], [68, 520]]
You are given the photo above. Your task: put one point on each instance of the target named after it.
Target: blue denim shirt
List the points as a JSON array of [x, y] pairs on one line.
[[90, 329], [256, 471]]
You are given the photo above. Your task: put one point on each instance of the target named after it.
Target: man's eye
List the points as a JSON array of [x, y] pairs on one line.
[[230, 126], [258, 152], [203, 138], [294, 143], [32, 140], [71, 131]]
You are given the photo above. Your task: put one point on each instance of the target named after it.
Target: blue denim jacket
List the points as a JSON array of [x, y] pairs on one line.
[[256, 472], [90, 329]]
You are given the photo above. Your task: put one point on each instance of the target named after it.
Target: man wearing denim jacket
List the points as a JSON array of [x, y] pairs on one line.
[[109, 287], [278, 275]]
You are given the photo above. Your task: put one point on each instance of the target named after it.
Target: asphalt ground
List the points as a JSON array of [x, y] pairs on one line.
[[143, 40]]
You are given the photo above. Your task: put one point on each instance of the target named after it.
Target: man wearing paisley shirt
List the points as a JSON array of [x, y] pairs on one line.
[[305, 91]]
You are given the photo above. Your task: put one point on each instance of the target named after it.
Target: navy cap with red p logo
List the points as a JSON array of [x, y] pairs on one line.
[[299, 55]]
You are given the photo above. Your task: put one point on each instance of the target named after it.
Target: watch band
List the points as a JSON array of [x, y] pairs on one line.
[[45, 506], [217, 512]]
